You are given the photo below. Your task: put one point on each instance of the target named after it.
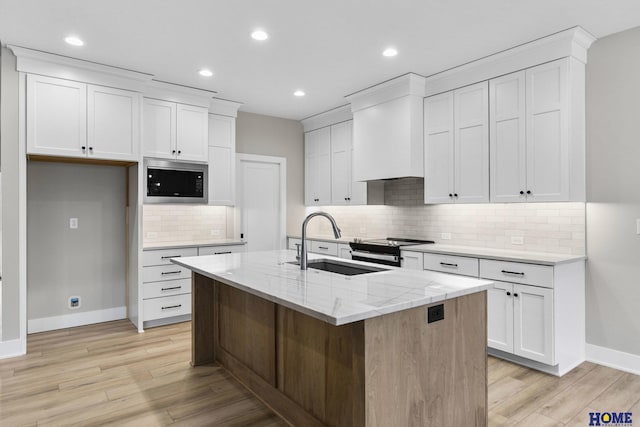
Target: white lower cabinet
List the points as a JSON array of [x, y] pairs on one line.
[[520, 321], [535, 313], [344, 251], [411, 260]]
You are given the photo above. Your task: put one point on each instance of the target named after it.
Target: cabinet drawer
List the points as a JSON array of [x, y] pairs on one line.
[[162, 256], [293, 241], [517, 272], [165, 272], [166, 288], [451, 264], [215, 250], [324, 248], [158, 308]]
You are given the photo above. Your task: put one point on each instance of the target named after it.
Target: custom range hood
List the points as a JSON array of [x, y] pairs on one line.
[[388, 129]]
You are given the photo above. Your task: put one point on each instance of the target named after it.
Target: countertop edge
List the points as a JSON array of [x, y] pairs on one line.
[[157, 246]]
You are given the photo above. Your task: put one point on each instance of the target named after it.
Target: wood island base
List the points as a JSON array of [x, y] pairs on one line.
[[394, 369]]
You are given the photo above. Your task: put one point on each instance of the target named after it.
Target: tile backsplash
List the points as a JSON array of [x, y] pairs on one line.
[[184, 223], [542, 227]]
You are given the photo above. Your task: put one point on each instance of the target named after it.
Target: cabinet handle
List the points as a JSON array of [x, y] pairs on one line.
[[220, 253], [455, 194], [170, 256], [348, 198], [521, 192], [179, 152], [83, 148], [345, 198], [447, 264], [450, 195], [171, 272], [508, 293], [171, 288], [323, 247], [173, 151], [90, 148], [172, 306], [512, 272], [515, 295], [528, 191]]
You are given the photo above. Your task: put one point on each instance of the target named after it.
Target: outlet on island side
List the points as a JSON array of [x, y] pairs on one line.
[[435, 313]]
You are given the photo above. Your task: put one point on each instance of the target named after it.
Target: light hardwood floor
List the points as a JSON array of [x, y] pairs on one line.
[[108, 374]]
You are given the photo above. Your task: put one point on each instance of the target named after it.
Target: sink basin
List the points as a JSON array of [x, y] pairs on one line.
[[340, 267]]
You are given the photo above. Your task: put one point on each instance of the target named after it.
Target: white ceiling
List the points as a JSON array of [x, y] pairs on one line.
[[328, 48]]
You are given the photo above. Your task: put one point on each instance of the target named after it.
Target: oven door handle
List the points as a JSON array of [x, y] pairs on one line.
[[381, 257]]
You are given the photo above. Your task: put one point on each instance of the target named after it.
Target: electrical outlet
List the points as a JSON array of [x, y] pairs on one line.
[[215, 232], [517, 240], [435, 313], [152, 234], [445, 236], [73, 223]]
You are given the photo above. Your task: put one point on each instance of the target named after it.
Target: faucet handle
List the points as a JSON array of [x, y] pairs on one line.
[[298, 252]]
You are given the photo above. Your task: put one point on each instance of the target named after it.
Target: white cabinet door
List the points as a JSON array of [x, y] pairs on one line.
[[547, 132], [159, 129], [318, 167], [438, 149], [411, 260], [500, 317], [533, 323], [507, 138], [344, 251], [344, 190], [471, 144], [192, 133], [56, 116], [222, 154], [113, 123]]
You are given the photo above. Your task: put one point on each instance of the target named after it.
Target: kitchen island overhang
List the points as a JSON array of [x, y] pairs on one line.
[[325, 349]]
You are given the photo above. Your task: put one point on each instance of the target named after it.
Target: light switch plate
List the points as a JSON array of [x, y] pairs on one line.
[[73, 223], [445, 236]]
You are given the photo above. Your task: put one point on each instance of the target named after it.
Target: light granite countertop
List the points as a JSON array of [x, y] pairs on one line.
[[331, 297], [497, 254], [198, 244]]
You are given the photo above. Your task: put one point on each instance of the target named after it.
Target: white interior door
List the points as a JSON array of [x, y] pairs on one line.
[[261, 197]]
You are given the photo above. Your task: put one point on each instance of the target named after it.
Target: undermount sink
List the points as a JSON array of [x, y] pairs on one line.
[[340, 267]]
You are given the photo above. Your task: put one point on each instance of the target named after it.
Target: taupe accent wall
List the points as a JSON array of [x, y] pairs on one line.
[[272, 136], [613, 192]]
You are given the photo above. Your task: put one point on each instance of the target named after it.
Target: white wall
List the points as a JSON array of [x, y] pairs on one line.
[[89, 261], [271, 136], [613, 192]]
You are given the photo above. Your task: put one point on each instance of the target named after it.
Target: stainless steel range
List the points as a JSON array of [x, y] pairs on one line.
[[382, 251]]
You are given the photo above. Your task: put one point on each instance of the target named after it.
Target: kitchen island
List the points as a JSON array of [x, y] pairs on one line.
[[396, 347]]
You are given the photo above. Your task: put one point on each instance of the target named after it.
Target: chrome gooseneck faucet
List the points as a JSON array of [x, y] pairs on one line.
[[303, 254]]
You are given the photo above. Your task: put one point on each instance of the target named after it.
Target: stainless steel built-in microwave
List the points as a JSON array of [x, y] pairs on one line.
[[175, 182]]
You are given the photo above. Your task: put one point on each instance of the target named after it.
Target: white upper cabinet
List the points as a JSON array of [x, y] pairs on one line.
[[222, 155], [72, 119], [344, 190], [113, 117], [530, 139], [175, 131], [56, 116], [317, 167], [456, 155], [159, 128], [192, 140]]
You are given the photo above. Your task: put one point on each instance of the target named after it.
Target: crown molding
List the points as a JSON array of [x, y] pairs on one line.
[[224, 107], [409, 84], [327, 118]]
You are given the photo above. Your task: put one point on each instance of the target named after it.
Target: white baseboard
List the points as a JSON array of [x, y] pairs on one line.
[[76, 319], [12, 348], [613, 358]]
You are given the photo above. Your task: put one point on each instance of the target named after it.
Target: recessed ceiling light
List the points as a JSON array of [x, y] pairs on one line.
[[299, 93], [389, 52], [259, 35], [74, 41], [205, 73]]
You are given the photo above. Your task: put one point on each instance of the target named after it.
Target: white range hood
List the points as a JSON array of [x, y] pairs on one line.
[[388, 129]]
